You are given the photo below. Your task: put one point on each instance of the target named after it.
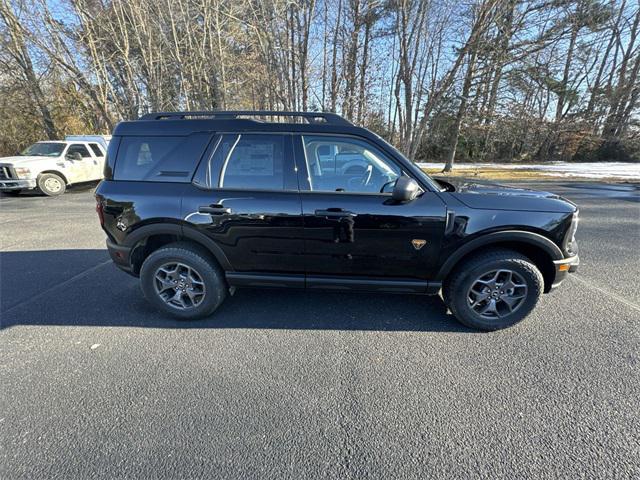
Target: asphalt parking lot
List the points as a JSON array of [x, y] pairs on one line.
[[288, 384]]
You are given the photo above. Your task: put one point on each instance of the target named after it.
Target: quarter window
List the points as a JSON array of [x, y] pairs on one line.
[[342, 164], [160, 159]]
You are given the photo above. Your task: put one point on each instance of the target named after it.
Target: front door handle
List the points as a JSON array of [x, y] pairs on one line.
[[334, 213], [215, 209]]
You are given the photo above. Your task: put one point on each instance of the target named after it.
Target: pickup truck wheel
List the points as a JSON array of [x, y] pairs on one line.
[[51, 184], [182, 281], [494, 290]]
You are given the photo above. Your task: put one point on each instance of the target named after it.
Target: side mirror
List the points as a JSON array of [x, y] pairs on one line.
[[74, 156], [405, 190]]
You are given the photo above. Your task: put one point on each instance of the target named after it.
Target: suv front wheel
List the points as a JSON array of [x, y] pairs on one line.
[[181, 280], [493, 290]]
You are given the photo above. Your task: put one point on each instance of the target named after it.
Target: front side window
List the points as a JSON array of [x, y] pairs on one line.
[[251, 162], [343, 164], [77, 148]]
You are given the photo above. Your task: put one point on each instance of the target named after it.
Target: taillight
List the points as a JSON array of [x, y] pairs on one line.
[[100, 211]]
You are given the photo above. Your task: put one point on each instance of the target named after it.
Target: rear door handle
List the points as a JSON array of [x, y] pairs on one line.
[[334, 213], [214, 209]]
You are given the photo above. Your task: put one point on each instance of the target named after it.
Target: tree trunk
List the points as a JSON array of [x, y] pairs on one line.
[[455, 134], [614, 123], [363, 66], [334, 60], [562, 94]]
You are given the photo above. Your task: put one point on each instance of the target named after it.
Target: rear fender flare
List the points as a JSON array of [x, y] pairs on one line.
[[182, 232]]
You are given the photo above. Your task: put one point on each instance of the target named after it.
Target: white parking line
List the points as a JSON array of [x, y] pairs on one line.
[[611, 295]]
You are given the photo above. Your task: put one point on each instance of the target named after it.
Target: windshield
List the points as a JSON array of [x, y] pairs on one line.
[[44, 149]]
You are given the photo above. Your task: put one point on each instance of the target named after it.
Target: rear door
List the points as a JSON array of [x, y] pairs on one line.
[[245, 198], [97, 166], [351, 225]]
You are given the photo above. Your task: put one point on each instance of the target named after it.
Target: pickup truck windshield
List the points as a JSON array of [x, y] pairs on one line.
[[44, 149]]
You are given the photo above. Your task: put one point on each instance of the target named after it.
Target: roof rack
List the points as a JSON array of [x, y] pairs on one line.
[[310, 117]]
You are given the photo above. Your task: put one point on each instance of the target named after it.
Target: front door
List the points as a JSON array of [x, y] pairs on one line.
[[352, 226], [245, 198]]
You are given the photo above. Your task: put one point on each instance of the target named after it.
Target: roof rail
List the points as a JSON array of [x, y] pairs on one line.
[[310, 117]]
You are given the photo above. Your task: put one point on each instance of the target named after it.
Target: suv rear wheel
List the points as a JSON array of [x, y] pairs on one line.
[[493, 290], [181, 280]]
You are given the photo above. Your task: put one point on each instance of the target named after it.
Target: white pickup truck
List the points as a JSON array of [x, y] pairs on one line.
[[51, 166]]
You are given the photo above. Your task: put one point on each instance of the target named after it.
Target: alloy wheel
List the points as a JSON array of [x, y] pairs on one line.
[[497, 293], [179, 285]]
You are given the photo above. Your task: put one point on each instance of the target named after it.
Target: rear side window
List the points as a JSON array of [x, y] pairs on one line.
[[96, 150], [255, 162], [159, 159]]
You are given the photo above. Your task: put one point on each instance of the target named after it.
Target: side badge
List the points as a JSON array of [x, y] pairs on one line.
[[120, 225], [418, 243]]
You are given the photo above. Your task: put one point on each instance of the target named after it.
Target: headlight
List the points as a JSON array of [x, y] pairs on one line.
[[570, 245], [22, 172]]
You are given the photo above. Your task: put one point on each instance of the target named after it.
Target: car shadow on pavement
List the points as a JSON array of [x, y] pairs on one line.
[[83, 288]]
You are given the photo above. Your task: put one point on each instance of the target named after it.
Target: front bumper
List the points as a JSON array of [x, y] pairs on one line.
[[564, 267], [12, 184]]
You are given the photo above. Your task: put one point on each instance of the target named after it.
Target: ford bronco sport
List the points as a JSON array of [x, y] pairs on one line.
[[199, 203]]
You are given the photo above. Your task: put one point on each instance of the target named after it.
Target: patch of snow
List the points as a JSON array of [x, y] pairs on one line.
[[618, 170]]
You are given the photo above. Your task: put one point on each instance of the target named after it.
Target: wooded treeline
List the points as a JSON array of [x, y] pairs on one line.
[[477, 80]]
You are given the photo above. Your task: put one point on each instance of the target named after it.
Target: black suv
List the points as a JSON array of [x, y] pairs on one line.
[[199, 203]]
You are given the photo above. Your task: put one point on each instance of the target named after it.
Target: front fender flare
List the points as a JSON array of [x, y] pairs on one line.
[[516, 236]]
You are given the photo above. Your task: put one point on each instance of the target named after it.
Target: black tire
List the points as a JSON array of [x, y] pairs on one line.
[[205, 267], [51, 184], [456, 292]]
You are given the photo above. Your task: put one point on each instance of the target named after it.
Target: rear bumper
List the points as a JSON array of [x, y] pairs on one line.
[[121, 256], [564, 267], [17, 184]]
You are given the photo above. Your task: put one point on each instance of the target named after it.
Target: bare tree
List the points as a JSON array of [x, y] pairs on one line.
[[15, 43], [515, 79]]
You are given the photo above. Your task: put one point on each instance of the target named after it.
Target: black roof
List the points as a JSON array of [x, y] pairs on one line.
[[185, 123]]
